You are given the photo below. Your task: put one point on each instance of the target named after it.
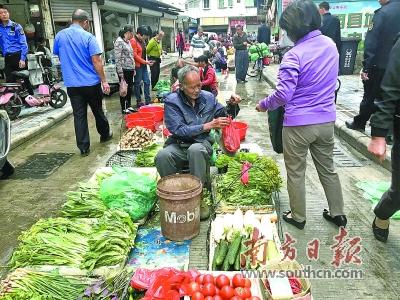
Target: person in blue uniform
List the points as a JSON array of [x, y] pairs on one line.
[[13, 44]]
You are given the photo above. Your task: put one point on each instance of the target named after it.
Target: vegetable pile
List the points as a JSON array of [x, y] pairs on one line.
[[79, 243], [136, 137], [250, 180], [243, 242], [24, 284], [145, 157]]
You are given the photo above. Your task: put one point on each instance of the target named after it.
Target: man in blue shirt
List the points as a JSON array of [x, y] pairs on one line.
[[13, 44], [84, 77]]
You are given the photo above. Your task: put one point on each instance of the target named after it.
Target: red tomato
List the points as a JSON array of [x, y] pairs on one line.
[[222, 280], [238, 281], [193, 287], [199, 279], [217, 291], [227, 292], [208, 279], [197, 296], [209, 289], [209, 298], [242, 293], [247, 283], [217, 297], [236, 298], [247, 292]]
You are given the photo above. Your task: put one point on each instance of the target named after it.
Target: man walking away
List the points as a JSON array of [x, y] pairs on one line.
[[84, 78], [386, 116], [264, 34], [378, 43], [241, 54], [154, 51], [330, 24], [13, 46]]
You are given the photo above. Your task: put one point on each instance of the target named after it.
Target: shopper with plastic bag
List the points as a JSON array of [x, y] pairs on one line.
[[190, 114]]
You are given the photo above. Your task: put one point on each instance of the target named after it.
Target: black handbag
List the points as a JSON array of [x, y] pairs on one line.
[[275, 123]]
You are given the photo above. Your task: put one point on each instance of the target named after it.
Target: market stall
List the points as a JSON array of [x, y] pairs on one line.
[[110, 241]]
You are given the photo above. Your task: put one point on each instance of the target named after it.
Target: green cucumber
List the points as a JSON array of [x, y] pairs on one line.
[[237, 262], [214, 262], [234, 249], [221, 254]]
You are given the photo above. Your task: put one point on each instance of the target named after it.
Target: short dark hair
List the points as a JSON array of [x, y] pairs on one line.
[[3, 7], [142, 30], [300, 18], [80, 15], [125, 29], [202, 58], [324, 5]]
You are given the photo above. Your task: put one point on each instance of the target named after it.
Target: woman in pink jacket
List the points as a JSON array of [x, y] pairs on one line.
[[207, 75]]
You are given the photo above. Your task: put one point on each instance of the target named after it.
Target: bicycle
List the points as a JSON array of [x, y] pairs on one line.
[[257, 68]]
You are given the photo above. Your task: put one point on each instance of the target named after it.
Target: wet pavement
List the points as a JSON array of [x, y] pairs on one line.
[[24, 201]]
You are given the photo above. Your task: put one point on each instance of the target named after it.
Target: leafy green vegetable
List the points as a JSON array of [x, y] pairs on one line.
[[24, 284], [223, 160], [145, 157], [264, 179], [80, 243]]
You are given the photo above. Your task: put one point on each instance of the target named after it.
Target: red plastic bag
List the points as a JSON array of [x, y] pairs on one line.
[[231, 137], [165, 283]]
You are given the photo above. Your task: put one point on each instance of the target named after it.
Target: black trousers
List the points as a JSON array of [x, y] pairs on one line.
[[155, 70], [390, 201], [372, 91], [127, 100], [11, 64], [180, 51], [80, 98]]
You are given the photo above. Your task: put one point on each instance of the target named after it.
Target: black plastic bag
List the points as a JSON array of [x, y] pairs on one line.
[[275, 123]]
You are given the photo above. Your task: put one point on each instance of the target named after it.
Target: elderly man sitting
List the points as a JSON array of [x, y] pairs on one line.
[[190, 114]]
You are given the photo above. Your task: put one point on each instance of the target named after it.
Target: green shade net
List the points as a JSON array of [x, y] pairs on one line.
[[373, 191]]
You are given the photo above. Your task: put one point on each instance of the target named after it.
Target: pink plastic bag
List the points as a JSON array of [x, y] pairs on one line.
[[123, 88]]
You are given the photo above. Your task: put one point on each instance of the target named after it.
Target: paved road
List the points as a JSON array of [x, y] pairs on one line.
[[24, 201]]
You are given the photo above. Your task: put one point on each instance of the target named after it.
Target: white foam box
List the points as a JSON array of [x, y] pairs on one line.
[[213, 245]]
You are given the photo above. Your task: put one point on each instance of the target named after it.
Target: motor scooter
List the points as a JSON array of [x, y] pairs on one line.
[[6, 168], [14, 96]]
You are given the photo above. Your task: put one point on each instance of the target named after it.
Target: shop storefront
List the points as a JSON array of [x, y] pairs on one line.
[[167, 24], [62, 10], [217, 25]]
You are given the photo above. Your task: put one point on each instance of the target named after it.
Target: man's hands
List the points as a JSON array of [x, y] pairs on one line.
[[150, 62], [377, 147], [245, 43], [106, 87], [216, 124], [364, 76], [22, 64], [234, 99], [259, 108]]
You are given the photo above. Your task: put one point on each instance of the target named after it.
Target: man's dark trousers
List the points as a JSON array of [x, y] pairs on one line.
[[372, 91], [80, 98], [155, 70], [390, 201], [11, 64]]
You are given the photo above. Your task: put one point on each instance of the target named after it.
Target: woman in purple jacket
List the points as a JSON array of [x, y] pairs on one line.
[[306, 88]]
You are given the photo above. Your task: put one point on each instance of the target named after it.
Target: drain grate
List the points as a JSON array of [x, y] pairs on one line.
[[344, 159], [41, 165], [123, 158]]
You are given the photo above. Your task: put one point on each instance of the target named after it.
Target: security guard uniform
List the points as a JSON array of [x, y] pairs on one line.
[[378, 42], [386, 116], [13, 46]]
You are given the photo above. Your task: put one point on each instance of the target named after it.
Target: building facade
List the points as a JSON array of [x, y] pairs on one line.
[[221, 16]]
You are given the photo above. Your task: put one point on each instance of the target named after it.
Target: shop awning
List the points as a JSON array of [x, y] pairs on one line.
[[118, 6], [171, 17], [149, 12]]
